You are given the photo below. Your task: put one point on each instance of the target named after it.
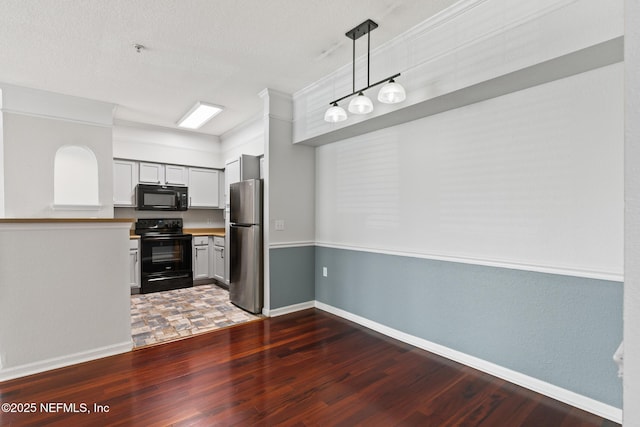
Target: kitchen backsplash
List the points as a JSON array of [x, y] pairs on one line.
[[193, 218]]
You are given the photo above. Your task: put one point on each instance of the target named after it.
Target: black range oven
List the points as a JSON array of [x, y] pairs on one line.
[[166, 255]]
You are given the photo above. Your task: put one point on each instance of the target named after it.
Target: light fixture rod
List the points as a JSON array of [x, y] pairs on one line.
[[365, 88], [353, 77], [368, 54], [354, 34]]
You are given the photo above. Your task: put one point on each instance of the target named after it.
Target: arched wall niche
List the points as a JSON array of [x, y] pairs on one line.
[[76, 177]]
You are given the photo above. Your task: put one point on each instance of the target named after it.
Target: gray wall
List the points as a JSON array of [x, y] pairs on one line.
[[559, 329], [291, 275]]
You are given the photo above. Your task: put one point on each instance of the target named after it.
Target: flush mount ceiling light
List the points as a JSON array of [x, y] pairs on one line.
[[391, 92], [199, 114]]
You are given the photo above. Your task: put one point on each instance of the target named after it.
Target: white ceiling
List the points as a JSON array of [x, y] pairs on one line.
[[219, 51]]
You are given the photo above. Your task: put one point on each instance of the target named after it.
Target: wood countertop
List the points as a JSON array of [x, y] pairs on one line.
[[63, 220], [218, 232]]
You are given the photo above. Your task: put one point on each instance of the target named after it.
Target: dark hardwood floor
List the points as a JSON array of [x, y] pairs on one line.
[[307, 368]]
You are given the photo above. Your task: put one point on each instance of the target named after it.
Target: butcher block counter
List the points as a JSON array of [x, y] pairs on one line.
[[219, 232]]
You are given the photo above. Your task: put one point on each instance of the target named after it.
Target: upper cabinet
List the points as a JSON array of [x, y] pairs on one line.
[[204, 188], [238, 169], [175, 175], [151, 173], [125, 179], [156, 173]]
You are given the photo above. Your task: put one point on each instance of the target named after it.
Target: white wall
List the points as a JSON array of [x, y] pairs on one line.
[[531, 180], [59, 302], [290, 175], [192, 218], [35, 102], [36, 124], [30, 145], [248, 138], [156, 144], [631, 382]]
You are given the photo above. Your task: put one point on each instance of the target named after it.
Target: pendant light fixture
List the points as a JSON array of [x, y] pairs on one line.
[[335, 114], [391, 92], [361, 104]]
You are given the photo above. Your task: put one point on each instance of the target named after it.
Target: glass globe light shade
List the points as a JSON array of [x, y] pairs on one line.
[[361, 104], [392, 93], [335, 114]]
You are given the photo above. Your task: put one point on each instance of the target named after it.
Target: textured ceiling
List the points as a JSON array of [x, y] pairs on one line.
[[218, 51]]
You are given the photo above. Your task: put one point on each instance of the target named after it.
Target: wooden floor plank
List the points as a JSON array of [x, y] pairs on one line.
[[302, 369]]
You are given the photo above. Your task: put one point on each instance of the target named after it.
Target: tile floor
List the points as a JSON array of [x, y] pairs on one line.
[[166, 316]]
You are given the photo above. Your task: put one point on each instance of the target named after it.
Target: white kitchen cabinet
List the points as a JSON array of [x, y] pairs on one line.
[[151, 173], [204, 191], [200, 257], [261, 167], [134, 266], [239, 169], [157, 173], [231, 175], [175, 175], [125, 179], [218, 267]]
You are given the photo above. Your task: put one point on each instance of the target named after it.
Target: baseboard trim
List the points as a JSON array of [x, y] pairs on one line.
[[558, 393], [291, 308], [61, 362]]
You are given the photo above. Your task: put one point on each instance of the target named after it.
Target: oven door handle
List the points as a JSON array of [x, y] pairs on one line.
[[180, 237], [159, 279]]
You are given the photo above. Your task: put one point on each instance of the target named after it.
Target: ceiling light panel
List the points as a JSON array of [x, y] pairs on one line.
[[199, 114]]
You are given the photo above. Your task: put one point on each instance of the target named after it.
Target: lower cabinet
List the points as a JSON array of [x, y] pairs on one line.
[[218, 258], [200, 257], [208, 258], [134, 265]]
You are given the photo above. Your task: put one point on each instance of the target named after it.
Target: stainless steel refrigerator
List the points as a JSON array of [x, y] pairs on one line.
[[245, 217]]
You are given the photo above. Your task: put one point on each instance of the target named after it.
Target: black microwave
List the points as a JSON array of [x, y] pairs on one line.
[[161, 198]]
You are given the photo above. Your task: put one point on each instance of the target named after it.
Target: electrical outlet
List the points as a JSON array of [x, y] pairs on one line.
[[279, 223], [324, 271]]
